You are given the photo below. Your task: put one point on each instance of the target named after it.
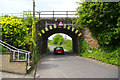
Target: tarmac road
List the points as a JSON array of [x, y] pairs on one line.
[[70, 65]]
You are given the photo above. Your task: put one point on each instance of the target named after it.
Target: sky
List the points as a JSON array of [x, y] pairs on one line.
[[18, 6]]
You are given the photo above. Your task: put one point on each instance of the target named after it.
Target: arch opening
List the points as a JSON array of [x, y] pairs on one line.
[[65, 42]]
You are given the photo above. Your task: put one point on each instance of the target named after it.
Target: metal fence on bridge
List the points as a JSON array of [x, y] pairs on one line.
[[43, 14]]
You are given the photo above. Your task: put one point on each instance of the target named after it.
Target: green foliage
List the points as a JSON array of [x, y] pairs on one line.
[[30, 22], [102, 19], [21, 57], [6, 16], [0, 28], [84, 46], [15, 33], [48, 49], [67, 44], [28, 19], [2, 49], [101, 55], [36, 56], [58, 39]]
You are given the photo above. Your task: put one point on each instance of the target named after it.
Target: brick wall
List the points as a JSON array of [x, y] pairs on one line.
[[12, 66], [88, 38]]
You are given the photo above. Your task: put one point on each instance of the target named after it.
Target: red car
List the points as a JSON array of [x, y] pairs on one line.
[[59, 50]]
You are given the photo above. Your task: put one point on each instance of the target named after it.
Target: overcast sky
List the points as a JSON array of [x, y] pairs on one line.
[[11, 6], [18, 6]]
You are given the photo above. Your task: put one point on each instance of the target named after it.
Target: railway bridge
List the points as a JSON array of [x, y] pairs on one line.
[[49, 26]]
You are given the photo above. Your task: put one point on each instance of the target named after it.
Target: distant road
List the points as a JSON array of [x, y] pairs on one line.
[[71, 66]]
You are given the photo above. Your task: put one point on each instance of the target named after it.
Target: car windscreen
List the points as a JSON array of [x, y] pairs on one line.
[[59, 48]]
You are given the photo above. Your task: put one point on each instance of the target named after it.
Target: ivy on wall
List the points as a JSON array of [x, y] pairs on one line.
[[102, 19]]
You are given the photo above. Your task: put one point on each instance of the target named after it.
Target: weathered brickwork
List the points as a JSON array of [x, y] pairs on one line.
[[88, 38], [41, 42]]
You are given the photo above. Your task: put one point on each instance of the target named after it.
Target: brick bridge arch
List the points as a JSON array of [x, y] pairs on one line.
[[45, 32]]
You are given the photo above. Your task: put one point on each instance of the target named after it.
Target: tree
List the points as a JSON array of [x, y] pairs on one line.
[[58, 39], [15, 33], [102, 19]]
